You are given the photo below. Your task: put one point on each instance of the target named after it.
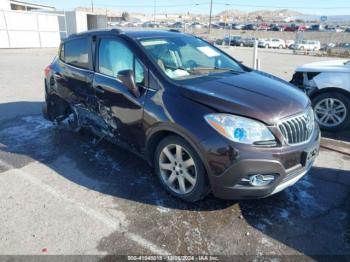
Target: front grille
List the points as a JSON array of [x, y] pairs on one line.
[[299, 128]]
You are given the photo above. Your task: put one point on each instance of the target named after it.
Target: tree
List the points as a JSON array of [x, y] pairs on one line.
[[125, 16]]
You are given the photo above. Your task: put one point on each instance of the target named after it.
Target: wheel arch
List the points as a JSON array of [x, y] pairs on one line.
[[329, 89], [157, 134], [62, 107]]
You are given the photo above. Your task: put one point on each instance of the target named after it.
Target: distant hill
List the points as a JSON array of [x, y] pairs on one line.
[[281, 13]]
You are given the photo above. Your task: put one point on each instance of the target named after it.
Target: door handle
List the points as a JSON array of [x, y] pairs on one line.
[[99, 90]]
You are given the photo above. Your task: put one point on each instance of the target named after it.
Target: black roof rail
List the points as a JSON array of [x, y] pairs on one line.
[[174, 30], [94, 31]]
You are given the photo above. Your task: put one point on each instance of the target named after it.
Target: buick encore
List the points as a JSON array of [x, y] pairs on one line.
[[203, 120]]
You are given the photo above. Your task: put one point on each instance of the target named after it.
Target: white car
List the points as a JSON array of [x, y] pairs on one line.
[[308, 45], [272, 43], [289, 43], [327, 84]]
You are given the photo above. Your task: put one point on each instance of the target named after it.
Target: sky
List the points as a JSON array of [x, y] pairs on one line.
[[317, 7]]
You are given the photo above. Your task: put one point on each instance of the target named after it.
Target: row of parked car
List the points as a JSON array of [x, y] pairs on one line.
[[287, 27], [237, 26], [307, 45]]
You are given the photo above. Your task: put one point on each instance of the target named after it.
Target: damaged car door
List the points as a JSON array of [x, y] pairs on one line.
[[119, 86], [74, 75]]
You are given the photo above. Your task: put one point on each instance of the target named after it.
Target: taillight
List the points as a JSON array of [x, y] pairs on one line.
[[47, 70]]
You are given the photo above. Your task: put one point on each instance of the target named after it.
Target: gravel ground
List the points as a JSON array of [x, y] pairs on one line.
[[60, 194]]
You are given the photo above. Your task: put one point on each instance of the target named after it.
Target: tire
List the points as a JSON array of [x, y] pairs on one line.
[[241, 44], [197, 190], [280, 47], [267, 46], [54, 108], [338, 99]]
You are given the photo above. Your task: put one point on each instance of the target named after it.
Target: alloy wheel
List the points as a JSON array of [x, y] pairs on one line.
[[177, 168], [330, 112]]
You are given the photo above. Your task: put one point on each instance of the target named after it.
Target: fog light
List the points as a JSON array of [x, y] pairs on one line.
[[261, 180], [258, 180]]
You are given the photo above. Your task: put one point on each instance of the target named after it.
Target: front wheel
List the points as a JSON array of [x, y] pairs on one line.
[[180, 169], [332, 111]]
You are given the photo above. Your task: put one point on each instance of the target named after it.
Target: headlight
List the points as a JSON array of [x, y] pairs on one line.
[[239, 129]]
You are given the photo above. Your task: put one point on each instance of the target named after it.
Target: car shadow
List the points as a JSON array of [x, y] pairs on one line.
[[343, 135], [105, 167], [15, 109], [311, 217]]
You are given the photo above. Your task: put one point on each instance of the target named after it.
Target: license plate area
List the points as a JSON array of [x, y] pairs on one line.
[[309, 156]]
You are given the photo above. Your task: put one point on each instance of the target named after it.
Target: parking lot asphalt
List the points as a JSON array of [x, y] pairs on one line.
[[60, 194]]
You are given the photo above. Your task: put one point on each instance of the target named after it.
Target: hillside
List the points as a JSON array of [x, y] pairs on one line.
[[282, 13]]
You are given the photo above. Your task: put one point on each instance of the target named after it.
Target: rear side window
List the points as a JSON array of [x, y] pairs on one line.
[[76, 52]]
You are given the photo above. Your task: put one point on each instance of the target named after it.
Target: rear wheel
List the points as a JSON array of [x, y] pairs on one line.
[[56, 107], [180, 169], [332, 111], [280, 47], [267, 46]]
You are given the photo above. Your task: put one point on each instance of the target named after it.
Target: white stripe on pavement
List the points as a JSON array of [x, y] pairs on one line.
[[114, 223]]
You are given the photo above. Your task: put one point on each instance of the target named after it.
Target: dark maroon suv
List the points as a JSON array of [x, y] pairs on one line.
[[205, 122]]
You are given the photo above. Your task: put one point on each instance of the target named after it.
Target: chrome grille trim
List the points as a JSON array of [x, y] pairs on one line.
[[299, 128]]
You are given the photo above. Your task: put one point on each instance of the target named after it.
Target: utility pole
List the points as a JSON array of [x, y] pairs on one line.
[[92, 6], [211, 8]]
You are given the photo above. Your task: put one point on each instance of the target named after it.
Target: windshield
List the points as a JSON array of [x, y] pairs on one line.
[[186, 57]]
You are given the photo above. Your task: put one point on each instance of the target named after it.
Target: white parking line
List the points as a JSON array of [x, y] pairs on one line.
[[114, 223]]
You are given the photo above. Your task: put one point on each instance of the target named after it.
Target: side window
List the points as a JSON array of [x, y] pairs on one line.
[[114, 56], [76, 52]]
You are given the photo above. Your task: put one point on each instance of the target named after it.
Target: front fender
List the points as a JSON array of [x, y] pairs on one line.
[[331, 79]]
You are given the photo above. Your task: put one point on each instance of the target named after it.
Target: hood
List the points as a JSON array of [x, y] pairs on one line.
[[252, 94], [340, 66]]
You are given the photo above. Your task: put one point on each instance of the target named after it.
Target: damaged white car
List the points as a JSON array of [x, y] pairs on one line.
[[327, 84]]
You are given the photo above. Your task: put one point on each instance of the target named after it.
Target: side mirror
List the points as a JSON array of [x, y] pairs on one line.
[[127, 78]]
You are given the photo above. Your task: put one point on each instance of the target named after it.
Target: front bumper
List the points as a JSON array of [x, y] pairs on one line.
[[288, 164]]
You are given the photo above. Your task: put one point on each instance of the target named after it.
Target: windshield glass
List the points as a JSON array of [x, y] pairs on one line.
[[186, 57]]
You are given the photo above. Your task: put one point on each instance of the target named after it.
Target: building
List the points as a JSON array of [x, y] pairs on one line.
[[72, 22], [27, 25], [23, 6]]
